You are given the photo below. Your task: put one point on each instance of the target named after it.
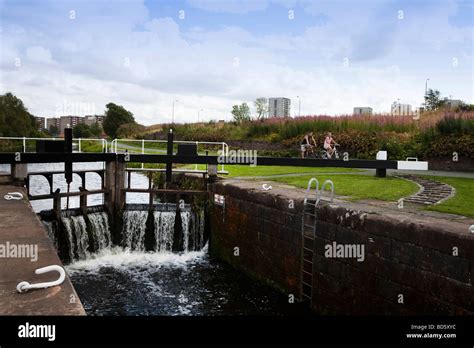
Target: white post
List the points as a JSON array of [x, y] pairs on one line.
[[80, 149], [24, 144], [197, 144], [143, 151], [223, 154]]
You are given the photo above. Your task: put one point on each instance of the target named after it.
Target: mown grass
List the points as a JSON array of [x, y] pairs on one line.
[[359, 187], [244, 170], [462, 203], [237, 170]]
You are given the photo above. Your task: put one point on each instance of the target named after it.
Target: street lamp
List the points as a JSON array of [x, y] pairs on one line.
[[174, 101], [199, 113], [426, 86], [299, 105]]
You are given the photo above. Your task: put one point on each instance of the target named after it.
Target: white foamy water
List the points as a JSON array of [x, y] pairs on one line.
[[126, 260]]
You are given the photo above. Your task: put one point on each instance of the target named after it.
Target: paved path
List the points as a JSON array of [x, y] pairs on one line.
[[431, 191], [19, 226]]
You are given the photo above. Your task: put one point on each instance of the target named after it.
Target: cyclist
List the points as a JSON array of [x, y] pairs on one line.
[[328, 141], [307, 144]]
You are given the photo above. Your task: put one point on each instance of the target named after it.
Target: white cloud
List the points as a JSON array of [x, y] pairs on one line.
[[144, 63], [38, 54]]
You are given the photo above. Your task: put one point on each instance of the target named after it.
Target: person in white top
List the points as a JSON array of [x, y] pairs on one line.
[[328, 141]]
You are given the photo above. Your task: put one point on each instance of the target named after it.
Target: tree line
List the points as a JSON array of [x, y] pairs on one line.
[[17, 121]]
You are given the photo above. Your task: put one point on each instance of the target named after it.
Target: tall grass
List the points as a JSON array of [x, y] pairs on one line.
[[289, 128]]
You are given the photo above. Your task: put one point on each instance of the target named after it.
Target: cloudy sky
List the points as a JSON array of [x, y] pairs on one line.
[[73, 57]]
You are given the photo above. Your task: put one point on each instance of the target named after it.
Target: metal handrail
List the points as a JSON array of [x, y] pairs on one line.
[[322, 190], [79, 140], [308, 189], [114, 145]]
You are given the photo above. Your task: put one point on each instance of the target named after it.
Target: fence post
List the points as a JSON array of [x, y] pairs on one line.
[[143, 150], [169, 152], [24, 144], [80, 149], [197, 144], [381, 172]]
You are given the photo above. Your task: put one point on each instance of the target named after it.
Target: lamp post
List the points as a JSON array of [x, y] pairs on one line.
[[199, 113], [426, 86], [174, 101]]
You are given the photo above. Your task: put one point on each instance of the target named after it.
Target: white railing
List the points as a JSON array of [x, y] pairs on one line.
[[77, 141], [116, 148]]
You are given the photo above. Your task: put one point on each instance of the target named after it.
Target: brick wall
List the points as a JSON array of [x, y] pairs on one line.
[[404, 253]]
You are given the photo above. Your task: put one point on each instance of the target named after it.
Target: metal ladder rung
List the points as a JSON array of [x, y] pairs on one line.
[[311, 262], [308, 273], [304, 283], [306, 225], [309, 214], [308, 249]]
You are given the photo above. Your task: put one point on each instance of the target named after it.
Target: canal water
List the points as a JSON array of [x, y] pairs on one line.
[[192, 284], [129, 281]]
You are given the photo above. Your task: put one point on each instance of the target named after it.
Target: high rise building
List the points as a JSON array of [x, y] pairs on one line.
[[279, 107], [453, 103], [399, 109], [63, 121], [40, 123], [362, 110], [52, 122]]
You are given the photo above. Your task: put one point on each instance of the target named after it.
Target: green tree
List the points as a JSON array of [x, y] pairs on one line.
[[115, 116], [433, 100], [15, 120], [241, 113], [53, 130], [81, 130], [261, 104], [96, 129]]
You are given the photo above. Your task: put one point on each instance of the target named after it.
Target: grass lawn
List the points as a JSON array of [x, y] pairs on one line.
[[245, 170], [463, 201], [359, 186], [242, 170]]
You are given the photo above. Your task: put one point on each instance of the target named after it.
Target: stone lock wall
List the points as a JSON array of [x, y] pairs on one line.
[[412, 264]]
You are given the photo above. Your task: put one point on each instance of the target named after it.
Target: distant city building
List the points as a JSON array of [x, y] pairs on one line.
[[453, 103], [362, 110], [63, 121], [40, 123], [279, 107], [71, 121], [399, 109], [91, 119], [52, 122]]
